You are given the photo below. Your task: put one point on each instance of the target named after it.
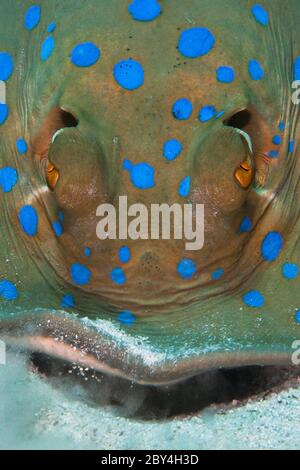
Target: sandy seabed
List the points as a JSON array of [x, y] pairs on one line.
[[37, 412]]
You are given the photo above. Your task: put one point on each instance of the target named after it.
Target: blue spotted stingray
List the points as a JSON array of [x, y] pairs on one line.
[[132, 105]]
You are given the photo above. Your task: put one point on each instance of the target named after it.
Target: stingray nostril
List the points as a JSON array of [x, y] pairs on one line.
[[239, 120], [64, 119], [54, 124], [68, 119]]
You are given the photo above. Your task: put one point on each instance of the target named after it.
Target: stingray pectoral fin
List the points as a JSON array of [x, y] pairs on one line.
[[62, 338], [162, 350], [146, 369], [64, 351]]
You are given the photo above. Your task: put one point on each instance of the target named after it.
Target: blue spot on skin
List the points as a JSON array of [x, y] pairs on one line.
[[255, 70], [144, 10], [22, 146], [290, 270], [29, 220], [129, 74], [254, 299], [67, 301], [128, 318], [85, 55], [273, 154], [6, 66], [8, 290], [220, 113], [281, 126], [271, 246], [80, 274], [51, 27], [195, 42], [277, 140], [297, 317], [141, 174], [3, 113], [87, 252], [291, 146], [246, 225], [118, 276], [185, 187], [225, 74], [57, 228], [8, 178], [32, 17], [47, 48], [182, 109], [127, 165], [206, 113], [124, 254], [172, 149], [260, 14], [297, 69], [61, 216], [217, 274], [186, 268]]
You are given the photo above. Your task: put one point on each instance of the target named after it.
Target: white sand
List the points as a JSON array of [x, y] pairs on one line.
[[35, 413]]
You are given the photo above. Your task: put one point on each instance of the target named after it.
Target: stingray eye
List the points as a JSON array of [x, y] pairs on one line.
[[54, 125], [52, 175], [64, 119], [244, 174]]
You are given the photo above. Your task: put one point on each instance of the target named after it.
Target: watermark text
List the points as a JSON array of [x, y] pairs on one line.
[[160, 222]]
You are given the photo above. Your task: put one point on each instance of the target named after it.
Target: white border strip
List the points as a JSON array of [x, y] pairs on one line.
[[2, 92], [2, 353]]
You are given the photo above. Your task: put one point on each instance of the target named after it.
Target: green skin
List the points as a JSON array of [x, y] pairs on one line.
[[183, 327]]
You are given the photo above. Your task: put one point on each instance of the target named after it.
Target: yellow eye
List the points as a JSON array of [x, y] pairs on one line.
[[244, 175], [52, 176]]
